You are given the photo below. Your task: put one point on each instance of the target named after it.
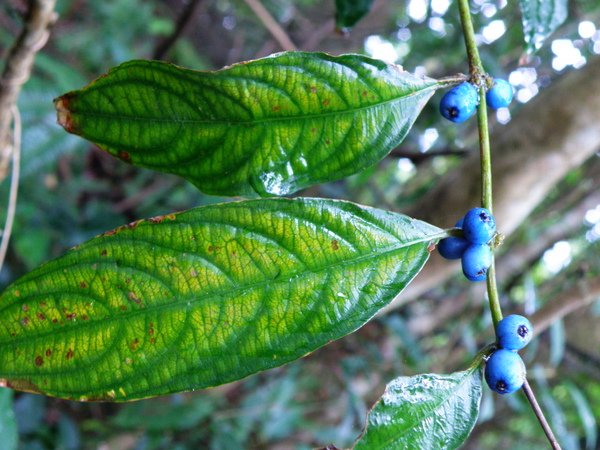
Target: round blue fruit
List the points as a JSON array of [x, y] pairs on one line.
[[476, 260], [452, 247], [500, 94], [505, 371], [479, 226], [514, 332], [459, 103]]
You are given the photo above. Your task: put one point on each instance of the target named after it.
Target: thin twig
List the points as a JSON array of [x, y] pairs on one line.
[[40, 16], [271, 25], [540, 416], [14, 184], [182, 23]]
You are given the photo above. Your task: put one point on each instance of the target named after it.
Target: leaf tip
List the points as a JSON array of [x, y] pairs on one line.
[[63, 113]]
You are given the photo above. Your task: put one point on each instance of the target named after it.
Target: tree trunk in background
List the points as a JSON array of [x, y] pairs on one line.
[[554, 133]]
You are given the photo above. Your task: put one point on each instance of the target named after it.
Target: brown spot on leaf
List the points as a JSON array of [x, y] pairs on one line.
[[152, 340], [326, 102], [134, 298], [123, 155], [70, 354], [103, 252], [48, 352], [134, 344], [364, 93], [39, 360], [55, 320], [213, 248], [85, 317], [41, 316], [83, 285], [25, 321], [25, 307], [71, 316], [123, 308], [276, 108], [193, 273], [335, 245], [313, 89], [327, 141], [17, 293]]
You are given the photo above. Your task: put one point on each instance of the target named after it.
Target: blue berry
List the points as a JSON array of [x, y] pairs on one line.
[[459, 103], [514, 332], [500, 94], [505, 372], [479, 226], [452, 247], [476, 260]]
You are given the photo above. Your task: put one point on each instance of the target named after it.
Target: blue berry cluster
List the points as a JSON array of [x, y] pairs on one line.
[[460, 102], [478, 227], [504, 370]]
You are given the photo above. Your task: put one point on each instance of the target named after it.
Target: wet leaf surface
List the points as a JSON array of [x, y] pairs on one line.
[[266, 127], [424, 412], [203, 297]]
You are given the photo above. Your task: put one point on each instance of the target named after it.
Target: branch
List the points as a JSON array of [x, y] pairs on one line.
[[271, 25], [33, 37], [14, 184], [582, 294], [182, 23], [540, 416]]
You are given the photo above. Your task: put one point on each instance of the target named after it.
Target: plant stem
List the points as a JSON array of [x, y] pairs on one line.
[[540, 416], [475, 65], [477, 71], [478, 77]]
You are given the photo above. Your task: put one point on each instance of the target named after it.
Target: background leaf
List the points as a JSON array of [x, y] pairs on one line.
[[540, 19], [204, 297], [425, 411], [348, 12], [8, 423], [268, 127]]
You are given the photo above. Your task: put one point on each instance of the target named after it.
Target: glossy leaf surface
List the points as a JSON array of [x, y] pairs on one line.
[[424, 412], [348, 12], [540, 19], [267, 127], [204, 297]]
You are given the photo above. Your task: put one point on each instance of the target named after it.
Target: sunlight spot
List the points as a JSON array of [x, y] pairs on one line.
[[586, 29], [558, 257], [427, 139], [417, 10], [493, 31], [379, 48]]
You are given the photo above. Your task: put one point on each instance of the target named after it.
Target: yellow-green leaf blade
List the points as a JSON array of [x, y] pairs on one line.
[[204, 297], [267, 127]]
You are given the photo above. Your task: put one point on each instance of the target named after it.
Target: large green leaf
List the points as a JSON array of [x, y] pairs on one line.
[[268, 127], [204, 297], [348, 12], [424, 412], [540, 19]]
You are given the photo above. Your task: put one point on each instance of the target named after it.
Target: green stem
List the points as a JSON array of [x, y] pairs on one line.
[[475, 65], [477, 73]]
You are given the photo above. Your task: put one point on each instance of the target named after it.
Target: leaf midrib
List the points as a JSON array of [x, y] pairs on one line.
[[76, 326], [266, 120]]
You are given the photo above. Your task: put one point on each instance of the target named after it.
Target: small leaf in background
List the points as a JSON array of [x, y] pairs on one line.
[[348, 12], [424, 412], [540, 19], [269, 127], [8, 425], [586, 416], [204, 297]]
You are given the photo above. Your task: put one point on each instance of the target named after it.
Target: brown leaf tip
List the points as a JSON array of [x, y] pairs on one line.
[[63, 114]]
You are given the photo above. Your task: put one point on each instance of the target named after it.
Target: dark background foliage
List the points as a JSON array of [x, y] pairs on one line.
[[70, 191]]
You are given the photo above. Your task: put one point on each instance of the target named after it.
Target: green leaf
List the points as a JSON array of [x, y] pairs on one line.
[[540, 19], [267, 127], [424, 412], [204, 297], [348, 12]]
